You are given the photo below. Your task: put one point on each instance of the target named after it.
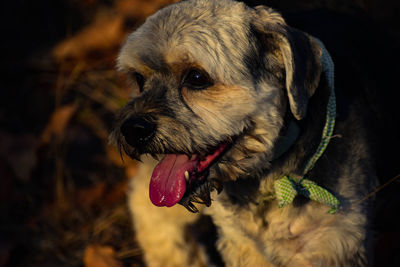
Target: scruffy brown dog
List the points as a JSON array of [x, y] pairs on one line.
[[231, 98]]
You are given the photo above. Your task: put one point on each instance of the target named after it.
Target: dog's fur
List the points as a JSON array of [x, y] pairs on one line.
[[263, 74]]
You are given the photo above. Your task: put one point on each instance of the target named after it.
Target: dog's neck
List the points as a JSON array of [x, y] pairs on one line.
[[287, 139], [290, 183]]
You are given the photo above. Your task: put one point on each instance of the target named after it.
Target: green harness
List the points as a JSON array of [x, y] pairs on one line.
[[286, 188]]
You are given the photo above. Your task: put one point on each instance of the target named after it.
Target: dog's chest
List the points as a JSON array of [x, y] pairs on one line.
[[271, 231]]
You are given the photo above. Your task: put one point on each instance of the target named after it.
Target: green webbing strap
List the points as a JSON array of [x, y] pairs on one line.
[[327, 68], [286, 188]]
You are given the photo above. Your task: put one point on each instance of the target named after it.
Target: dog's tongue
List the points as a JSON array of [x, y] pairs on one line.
[[168, 183]]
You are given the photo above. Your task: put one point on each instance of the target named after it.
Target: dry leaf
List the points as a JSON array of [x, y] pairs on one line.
[[5, 251], [107, 31], [103, 34], [88, 196], [100, 256], [117, 194], [19, 151], [58, 122], [130, 169], [140, 9], [115, 157]]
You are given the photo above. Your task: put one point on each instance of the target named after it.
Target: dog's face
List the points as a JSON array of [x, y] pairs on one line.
[[214, 79]]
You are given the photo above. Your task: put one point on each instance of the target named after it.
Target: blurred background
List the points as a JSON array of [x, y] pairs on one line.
[[62, 186]]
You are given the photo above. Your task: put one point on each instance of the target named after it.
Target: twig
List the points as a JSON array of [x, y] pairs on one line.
[[379, 188]]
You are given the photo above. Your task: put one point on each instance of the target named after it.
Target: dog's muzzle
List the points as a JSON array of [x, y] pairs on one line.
[[138, 131]]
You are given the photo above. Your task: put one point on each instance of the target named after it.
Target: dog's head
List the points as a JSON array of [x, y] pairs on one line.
[[213, 81]]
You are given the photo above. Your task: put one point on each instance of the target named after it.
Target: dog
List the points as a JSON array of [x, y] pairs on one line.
[[232, 108]]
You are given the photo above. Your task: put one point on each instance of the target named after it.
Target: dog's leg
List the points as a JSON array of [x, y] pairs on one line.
[[161, 231], [237, 248], [237, 254]]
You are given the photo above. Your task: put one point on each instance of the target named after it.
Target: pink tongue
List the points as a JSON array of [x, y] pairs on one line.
[[168, 183]]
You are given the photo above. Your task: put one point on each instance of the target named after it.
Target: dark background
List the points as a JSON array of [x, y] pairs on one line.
[[62, 187]]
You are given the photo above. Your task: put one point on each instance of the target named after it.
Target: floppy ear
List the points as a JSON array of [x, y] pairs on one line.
[[301, 57]]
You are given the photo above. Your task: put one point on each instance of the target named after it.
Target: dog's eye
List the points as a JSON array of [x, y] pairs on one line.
[[197, 79], [139, 80]]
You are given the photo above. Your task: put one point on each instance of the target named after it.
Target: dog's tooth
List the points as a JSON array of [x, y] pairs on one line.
[[187, 175]]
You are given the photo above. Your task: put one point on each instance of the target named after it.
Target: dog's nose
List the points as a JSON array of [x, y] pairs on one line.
[[138, 131]]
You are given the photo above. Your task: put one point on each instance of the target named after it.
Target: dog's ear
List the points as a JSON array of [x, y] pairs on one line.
[[300, 53]]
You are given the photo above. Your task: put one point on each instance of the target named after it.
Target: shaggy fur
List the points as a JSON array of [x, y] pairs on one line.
[[258, 75]]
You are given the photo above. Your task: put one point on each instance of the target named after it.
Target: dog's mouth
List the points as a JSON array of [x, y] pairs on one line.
[[178, 176]]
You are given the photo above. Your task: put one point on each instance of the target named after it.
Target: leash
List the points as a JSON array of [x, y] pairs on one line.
[[287, 188]]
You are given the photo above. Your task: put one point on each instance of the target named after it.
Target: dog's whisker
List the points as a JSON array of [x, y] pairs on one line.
[[155, 156], [190, 207], [135, 156], [119, 146], [217, 184]]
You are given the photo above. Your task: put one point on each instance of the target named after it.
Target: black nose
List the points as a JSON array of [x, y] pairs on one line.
[[138, 131]]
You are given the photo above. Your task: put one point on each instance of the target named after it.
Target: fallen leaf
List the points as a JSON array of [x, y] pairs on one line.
[[115, 157], [5, 251], [131, 169], [58, 122], [117, 194], [140, 9], [19, 151], [100, 256], [7, 183], [106, 32], [89, 196]]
